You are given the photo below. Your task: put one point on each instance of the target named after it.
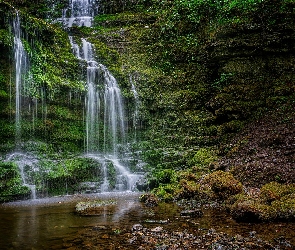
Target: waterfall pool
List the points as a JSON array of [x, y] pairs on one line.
[[53, 224]]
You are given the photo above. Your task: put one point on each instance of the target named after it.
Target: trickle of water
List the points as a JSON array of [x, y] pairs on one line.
[[136, 107], [20, 58], [27, 165]]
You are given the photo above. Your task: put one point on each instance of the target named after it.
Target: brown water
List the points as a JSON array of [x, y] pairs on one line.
[[53, 223]]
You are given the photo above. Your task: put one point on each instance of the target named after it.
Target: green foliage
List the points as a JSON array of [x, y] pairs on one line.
[[5, 38], [106, 55], [203, 158], [166, 192], [66, 175], [105, 18]]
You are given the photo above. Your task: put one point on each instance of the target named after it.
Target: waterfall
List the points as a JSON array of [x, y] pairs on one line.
[[135, 117], [105, 126], [80, 13], [104, 103], [20, 58], [21, 85], [27, 165]]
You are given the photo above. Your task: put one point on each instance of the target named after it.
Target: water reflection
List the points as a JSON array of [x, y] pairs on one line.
[[53, 223]]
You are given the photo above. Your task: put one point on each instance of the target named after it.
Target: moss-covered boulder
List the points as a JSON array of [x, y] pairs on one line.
[[274, 191], [276, 202], [246, 209], [222, 184], [150, 200], [11, 187], [218, 185]]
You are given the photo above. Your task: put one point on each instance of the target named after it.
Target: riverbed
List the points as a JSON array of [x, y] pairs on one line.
[[52, 223]]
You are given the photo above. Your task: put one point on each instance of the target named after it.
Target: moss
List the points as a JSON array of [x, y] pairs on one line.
[[223, 184], [275, 191], [246, 210], [203, 158], [284, 209], [275, 203], [188, 190], [149, 199], [216, 186], [166, 192], [11, 187]]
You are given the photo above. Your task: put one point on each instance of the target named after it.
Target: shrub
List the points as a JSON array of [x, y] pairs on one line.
[[203, 158]]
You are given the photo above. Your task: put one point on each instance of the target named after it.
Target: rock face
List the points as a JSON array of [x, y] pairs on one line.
[[252, 62]]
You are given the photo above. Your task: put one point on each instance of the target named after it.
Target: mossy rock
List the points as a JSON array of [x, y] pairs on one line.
[[189, 189], [218, 185], [11, 187], [275, 191], [247, 210], [276, 202], [150, 200], [223, 184], [284, 209]]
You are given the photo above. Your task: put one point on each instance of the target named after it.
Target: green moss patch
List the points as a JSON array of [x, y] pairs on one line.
[[275, 202], [11, 187]]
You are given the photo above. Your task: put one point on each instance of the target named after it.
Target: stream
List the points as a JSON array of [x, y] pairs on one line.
[[52, 223]]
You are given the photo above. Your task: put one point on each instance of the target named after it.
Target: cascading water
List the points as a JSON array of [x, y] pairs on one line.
[[26, 163], [105, 127], [79, 13], [136, 107], [20, 58], [21, 85]]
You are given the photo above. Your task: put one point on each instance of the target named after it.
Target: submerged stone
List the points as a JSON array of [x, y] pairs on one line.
[[192, 213], [97, 207]]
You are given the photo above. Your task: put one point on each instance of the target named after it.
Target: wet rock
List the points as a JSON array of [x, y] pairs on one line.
[[157, 229], [137, 227], [142, 184], [283, 242], [99, 228], [157, 221], [96, 207], [192, 213]]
